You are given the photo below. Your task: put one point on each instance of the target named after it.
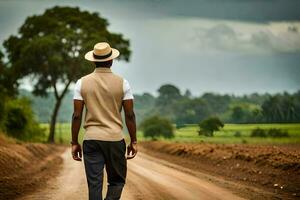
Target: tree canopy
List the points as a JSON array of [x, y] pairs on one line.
[[168, 93], [209, 125], [50, 48], [157, 126]]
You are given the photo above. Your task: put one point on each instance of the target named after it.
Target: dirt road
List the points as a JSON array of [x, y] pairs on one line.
[[148, 178]]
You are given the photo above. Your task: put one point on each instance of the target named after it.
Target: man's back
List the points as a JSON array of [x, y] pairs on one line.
[[102, 93]]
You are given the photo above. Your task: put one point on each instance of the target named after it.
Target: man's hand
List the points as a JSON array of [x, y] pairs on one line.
[[131, 150], [76, 152]]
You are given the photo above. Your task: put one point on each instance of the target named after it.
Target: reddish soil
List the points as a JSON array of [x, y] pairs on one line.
[[209, 171], [275, 169], [26, 166]]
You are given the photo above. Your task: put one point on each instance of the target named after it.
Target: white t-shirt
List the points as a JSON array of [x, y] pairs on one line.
[[126, 89]]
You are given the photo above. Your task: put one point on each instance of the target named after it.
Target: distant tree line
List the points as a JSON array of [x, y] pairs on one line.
[[184, 108], [187, 109]]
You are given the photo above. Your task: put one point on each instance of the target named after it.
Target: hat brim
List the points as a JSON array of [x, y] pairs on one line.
[[90, 57]]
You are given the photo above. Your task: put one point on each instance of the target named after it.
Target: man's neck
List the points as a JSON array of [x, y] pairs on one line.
[[103, 69]]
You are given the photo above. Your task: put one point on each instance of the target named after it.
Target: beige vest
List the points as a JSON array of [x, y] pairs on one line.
[[102, 92]]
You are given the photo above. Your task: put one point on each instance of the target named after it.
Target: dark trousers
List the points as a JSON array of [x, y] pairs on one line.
[[111, 154]]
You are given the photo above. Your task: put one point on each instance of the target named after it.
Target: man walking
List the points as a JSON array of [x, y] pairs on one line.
[[103, 94]]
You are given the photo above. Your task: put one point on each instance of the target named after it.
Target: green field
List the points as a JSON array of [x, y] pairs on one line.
[[62, 132], [190, 134]]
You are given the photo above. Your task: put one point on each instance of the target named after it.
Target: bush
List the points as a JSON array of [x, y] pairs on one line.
[[258, 132], [2, 110], [19, 120], [277, 133], [16, 120], [156, 126], [209, 125], [273, 132], [237, 134]]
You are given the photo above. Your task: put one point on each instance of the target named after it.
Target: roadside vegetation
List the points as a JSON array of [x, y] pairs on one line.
[[157, 127], [17, 118]]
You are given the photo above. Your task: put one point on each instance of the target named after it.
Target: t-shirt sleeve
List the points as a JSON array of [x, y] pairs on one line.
[[77, 90], [127, 90]]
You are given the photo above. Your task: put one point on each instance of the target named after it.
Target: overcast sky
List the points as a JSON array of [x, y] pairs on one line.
[[223, 46]]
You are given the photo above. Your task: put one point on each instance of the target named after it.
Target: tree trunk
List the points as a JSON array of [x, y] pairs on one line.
[[53, 120], [59, 99]]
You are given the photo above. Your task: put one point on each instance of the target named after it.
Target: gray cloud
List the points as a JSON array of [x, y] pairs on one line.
[[245, 10], [222, 37]]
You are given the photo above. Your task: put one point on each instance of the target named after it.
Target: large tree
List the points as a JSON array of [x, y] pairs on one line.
[[8, 85], [50, 48], [168, 96]]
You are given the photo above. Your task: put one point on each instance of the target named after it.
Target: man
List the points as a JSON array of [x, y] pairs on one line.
[[103, 94]]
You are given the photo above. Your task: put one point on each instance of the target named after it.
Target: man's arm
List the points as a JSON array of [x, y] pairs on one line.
[[76, 123], [131, 126]]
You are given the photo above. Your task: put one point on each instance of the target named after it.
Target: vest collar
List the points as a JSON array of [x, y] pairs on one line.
[[102, 70]]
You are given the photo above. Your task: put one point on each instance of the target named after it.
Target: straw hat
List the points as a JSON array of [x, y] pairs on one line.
[[102, 52]]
